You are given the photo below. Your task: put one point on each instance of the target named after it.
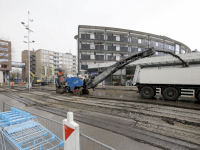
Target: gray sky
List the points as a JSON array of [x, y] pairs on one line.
[[55, 22]]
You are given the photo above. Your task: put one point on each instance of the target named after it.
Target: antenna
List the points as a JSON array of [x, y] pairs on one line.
[[69, 50]]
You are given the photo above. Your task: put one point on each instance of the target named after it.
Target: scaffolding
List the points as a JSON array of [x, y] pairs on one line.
[[21, 131]]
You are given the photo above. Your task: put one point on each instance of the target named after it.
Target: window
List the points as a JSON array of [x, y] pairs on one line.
[[4, 66], [156, 43], [43, 51], [44, 60], [45, 56], [51, 53], [6, 55], [182, 51], [60, 54], [4, 43], [177, 49], [3, 49], [139, 41], [3, 60]]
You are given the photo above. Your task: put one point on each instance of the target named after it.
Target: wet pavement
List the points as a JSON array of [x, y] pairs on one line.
[[114, 140]]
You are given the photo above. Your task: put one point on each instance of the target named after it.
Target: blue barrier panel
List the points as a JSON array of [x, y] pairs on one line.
[[22, 131]]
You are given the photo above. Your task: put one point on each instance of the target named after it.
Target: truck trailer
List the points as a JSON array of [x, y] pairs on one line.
[[170, 82]]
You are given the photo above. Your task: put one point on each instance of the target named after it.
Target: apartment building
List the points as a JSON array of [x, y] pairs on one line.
[[5, 59], [97, 44], [99, 47], [43, 62]]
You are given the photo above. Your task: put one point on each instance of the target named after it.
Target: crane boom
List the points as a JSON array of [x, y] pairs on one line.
[[93, 82]]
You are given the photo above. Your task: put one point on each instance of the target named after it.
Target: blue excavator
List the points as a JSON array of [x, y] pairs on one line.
[[82, 83]]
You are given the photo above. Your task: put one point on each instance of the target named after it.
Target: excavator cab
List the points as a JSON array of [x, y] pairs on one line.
[[61, 80]]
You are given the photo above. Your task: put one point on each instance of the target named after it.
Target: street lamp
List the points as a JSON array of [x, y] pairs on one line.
[[27, 27]]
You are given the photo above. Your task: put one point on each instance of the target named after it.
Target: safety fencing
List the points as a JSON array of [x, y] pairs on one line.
[[86, 143]]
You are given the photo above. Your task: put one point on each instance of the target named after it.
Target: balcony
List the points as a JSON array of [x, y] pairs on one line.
[[85, 57], [111, 38], [85, 46], [99, 37], [85, 36], [84, 67], [134, 40], [99, 57], [144, 42], [124, 49], [99, 47], [123, 39], [111, 48], [111, 58], [134, 50], [32, 63], [32, 58]]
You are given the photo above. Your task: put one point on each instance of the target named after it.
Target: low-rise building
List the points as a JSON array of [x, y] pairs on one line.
[[5, 59]]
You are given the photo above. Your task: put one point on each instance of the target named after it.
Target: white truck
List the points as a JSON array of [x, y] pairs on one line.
[[170, 82]]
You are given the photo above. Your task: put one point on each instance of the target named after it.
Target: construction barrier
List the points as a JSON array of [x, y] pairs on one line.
[[71, 136], [21, 131], [57, 128]]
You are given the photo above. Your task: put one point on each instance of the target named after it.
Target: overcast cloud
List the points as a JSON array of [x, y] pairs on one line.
[[55, 22]]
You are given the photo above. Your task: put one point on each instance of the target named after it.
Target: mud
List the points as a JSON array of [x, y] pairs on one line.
[[156, 121]]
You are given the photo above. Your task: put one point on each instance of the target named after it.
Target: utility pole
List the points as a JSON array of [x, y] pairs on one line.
[[28, 28]]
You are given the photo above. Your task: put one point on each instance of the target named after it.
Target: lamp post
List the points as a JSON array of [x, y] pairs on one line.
[[27, 27]]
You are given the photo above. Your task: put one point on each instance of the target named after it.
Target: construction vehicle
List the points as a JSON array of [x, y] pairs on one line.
[[34, 80], [82, 83], [169, 82]]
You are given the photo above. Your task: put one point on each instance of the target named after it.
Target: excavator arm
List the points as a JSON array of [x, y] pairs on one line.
[[32, 75], [92, 82]]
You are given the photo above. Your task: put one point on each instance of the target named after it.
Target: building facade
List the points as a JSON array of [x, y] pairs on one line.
[[43, 62], [25, 60], [5, 59], [105, 44]]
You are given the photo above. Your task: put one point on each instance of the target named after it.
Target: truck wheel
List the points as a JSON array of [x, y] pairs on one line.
[[85, 91], [170, 93], [147, 92], [62, 90]]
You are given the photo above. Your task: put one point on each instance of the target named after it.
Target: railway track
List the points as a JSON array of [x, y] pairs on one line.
[[162, 126]]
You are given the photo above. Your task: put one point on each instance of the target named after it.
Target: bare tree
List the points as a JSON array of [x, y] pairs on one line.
[[48, 71], [15, 73], [12, 75]]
